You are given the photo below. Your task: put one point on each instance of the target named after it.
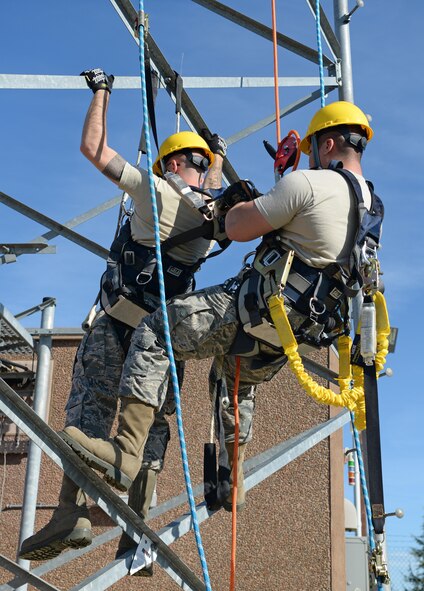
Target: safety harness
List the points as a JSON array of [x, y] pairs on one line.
[[319, 295], [131, 267]]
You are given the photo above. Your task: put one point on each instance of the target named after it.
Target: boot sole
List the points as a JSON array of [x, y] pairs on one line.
[[79, 538], [112, 474]]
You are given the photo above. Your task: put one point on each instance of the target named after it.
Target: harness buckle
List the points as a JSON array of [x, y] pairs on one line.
[[207, 211], [143, 278], [272, 257], [231, 285], [317, 308], [129, 258], [247, 257]]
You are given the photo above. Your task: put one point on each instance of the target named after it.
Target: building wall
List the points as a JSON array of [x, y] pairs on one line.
[[288, 538]]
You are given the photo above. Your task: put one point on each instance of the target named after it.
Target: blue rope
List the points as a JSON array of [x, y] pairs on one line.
[[167, 335], [364, 488], [319, 47]]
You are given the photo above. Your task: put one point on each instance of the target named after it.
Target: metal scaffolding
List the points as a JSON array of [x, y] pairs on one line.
[[339, 77]]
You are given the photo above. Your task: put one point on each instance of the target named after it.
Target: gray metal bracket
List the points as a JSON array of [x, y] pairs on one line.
[[11, 250]]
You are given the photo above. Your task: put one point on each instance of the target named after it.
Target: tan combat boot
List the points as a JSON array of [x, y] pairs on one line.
[[69, 526], [241, 493], [140, 500], [119, 459]]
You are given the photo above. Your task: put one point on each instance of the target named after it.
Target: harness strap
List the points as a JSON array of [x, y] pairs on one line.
[[251, 301], [189, 196], [369, 232], [375, 471], [203, 231], [211, 229], [119, 242]]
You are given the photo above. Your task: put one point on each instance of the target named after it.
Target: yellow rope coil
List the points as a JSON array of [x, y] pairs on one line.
[[351, 378]]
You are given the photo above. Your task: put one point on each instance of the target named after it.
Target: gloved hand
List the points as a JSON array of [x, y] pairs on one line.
[[243, 190], [98, 80], [216, 143]]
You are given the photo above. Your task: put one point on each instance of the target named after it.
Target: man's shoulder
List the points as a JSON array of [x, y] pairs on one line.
[[322, 178], [315, 173], [131, 171], [297, 183]]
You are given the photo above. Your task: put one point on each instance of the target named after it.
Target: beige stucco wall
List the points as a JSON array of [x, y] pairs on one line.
[[290, 536]]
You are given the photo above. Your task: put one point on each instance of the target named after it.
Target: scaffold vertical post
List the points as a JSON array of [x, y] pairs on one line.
[[40, 404]]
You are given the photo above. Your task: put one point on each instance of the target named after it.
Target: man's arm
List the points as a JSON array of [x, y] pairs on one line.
[[244, 222], [218, 147], [213, 179], [94, 144]]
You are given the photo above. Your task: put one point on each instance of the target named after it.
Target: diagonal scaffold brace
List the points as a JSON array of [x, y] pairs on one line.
[[18, 411]]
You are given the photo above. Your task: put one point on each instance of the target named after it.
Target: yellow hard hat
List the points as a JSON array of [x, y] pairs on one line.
[[338, 113], [184, 140]]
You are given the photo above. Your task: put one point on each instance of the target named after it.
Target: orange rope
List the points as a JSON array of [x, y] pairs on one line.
[[277, 100], [235, 466]]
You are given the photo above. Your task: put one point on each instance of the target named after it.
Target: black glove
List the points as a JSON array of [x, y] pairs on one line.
[[97, 80], [216, 143], [235, 193]]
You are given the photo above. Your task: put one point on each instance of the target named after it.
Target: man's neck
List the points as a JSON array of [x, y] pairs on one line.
[[191, 177], [353, 166]]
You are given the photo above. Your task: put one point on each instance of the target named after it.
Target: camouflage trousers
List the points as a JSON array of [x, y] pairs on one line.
[[93, 399], [202, 324]]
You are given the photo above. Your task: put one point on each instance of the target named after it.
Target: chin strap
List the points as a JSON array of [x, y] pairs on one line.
[[315, 152]]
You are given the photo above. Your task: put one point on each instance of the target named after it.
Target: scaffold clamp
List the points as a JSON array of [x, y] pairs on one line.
[[146, 554]]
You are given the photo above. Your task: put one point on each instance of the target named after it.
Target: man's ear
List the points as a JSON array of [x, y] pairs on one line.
[[172, 165], [329, 145]]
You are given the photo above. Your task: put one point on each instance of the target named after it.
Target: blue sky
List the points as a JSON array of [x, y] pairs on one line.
[[41, 164]]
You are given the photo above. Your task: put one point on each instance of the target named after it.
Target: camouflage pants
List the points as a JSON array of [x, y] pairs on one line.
[[202, 324], [93, 399]]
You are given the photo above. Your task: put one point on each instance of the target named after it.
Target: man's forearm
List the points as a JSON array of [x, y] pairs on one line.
[[94, 135], [244, 222], [214, 177]]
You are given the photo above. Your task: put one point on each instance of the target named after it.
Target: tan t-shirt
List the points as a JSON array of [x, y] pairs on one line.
[[175, 215], [315, 211]]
